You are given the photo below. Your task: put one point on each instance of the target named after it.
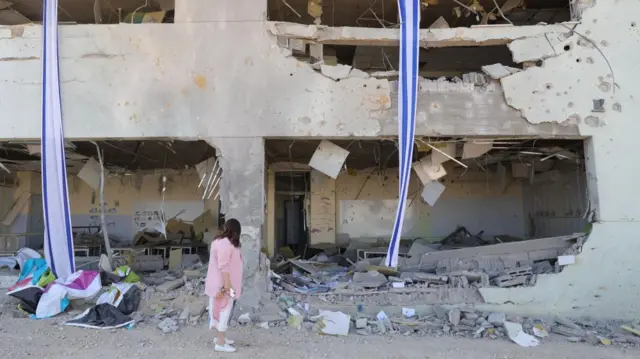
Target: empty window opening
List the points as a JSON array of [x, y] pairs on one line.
[[384, 13], [89, 12]]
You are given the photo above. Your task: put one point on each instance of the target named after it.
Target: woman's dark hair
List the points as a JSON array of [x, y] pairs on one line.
[[232, 231]]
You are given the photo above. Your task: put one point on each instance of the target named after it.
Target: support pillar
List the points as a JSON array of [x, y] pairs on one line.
[[242, 196]]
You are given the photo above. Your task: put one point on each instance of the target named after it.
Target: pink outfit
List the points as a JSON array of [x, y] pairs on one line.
[[224, 257]]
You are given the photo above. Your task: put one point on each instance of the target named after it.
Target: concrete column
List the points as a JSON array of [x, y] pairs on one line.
[[220, 10], [242, 197]]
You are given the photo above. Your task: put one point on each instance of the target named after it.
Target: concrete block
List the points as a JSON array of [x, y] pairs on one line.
[[536, 249], [170, 285]]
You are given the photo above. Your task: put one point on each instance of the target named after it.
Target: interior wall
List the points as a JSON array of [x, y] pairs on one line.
[[556, 202], [366, 204], [123, 199]]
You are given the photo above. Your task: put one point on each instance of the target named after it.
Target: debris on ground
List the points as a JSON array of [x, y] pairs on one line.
[[461, 260]]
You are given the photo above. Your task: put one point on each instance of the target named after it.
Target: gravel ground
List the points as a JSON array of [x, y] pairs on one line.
[[25, 338]]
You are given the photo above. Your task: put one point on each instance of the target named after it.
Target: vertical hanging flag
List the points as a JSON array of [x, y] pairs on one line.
[[58, 240], [407, 100]]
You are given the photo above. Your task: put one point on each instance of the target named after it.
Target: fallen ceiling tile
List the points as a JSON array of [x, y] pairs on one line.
[[329, 158], [90, 173], [438, 158], [474, 150], [427, 171], [440, 23], [12, 17], [432, 192]]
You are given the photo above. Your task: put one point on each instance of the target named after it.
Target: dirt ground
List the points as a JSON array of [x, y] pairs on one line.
[[27, 338]]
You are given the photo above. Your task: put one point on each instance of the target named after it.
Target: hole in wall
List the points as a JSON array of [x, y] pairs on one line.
[[567, 47]]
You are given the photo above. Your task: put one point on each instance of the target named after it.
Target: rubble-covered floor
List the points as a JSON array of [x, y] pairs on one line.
[[24, 338]]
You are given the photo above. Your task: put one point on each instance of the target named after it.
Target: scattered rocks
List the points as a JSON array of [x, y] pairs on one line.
[[168, 325]]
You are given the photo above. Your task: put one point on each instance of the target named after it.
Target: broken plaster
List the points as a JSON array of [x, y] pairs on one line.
[[575, 81]]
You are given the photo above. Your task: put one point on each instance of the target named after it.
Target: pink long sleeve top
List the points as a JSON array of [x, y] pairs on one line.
[[224, 257]]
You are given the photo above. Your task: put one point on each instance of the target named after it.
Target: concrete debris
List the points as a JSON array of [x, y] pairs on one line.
[[497, 319], [170, 285], [475, 78], [518, 336], [498, 71], [244, 319], [454, 317], [371, 279], [168, 325], [361, 323]]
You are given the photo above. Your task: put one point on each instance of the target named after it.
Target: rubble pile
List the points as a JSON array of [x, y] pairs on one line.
[[174, 298], [445, 321], [460, 260]]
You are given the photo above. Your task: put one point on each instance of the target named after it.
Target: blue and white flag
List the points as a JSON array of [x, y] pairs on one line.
[[407, 100], [58, 240]]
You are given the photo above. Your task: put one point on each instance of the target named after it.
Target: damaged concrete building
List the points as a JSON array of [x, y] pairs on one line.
[[524, 126]]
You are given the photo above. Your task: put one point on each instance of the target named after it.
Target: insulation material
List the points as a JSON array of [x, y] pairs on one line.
[[428, 172], [409, 11], [432, 191], [58, 239], [329, 158], [90, 173], [16, 209], [474, 150]]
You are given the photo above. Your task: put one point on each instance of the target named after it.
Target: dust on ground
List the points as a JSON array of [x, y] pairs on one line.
[[27, 338]]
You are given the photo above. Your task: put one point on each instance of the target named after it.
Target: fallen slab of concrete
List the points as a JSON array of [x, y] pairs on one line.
[[531, 250]]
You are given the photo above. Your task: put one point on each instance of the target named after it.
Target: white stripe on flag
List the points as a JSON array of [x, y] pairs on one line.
[[58, 241], [407, 101]]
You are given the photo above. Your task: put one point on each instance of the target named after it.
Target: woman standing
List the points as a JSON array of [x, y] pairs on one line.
[[224, 282]]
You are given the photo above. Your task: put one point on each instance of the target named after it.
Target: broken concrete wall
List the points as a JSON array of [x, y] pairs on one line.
[[592, 65], [165, 80], [367, 201], [182, 80]]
